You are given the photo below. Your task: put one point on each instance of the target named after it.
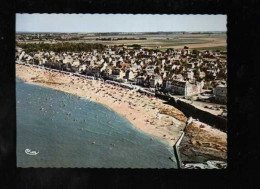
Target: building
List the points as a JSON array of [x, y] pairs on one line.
[[220, 92], [107, 72], [75, 65], [189, 74], [184, 88], [130, 75], [93, 71], [140, 80], [156, 81], [150, 70], [117, 74]]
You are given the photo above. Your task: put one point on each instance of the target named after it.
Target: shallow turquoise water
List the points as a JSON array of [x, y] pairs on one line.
[[69, 131]]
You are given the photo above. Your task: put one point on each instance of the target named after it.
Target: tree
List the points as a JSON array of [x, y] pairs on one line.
[[136, 46], [61, 47], [194, 51], [196, 71], [157, 70], [170, 50]]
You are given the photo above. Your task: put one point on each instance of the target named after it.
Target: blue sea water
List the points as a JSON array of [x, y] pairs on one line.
[[69, 131]]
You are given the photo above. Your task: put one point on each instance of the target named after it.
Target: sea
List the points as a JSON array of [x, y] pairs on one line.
[[69, 131]]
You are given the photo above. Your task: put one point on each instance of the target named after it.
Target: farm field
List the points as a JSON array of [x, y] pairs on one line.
[[213, 41]]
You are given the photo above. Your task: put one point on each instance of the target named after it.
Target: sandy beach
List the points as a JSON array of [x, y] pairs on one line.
[[148, 114]]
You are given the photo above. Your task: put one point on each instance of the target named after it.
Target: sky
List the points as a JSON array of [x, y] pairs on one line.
[[118, 23]]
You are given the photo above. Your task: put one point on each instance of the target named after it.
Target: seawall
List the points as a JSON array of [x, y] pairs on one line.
[[190, 110]]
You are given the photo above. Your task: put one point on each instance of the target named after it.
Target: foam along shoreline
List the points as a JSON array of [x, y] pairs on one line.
[[141, 110]]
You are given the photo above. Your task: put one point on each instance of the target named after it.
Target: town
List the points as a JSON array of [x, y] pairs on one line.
[[182, 72]]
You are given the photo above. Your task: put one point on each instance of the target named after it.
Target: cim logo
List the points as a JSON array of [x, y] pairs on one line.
[[30, 152]]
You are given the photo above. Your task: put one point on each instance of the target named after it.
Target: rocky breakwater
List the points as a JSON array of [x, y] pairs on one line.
[[202, 145]]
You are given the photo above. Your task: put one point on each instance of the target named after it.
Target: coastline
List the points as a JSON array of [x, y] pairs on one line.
[[143, 112], [206, 142]]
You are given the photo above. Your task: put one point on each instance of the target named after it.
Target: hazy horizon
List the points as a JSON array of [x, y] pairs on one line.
[[118, 23], [124, 32]]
